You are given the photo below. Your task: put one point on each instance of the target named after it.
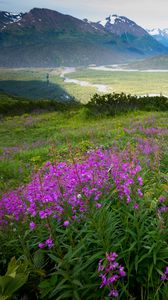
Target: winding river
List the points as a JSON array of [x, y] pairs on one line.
[[100, 87]]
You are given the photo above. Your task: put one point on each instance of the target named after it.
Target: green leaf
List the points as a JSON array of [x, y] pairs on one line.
[[77, 282], [10, 285], [65, 295], [76, 295]]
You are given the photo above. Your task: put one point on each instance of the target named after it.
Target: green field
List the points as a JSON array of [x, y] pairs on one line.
[[31, 83], [133, 82]]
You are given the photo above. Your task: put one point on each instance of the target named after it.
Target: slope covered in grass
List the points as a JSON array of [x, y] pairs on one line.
[[90, 222]]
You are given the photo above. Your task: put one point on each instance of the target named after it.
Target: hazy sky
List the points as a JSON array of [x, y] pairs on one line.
[[147, 13]]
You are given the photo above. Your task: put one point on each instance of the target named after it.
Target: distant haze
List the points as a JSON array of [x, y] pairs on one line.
[[147, 13]]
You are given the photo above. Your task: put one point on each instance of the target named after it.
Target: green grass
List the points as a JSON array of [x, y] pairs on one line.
[[135, 82], [27, 141], [31, 83]]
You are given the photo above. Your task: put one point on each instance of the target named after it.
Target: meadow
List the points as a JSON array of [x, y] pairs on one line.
[[84, 200], [31, 83], [129, 82]]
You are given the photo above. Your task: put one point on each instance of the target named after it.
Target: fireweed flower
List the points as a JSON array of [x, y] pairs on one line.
[[32, 225], [136, 206], [49, 243], [163, 209], [164, 276], [113, 293], [66, 223], [110, 273], [42, 245], [98, 205], [74, 185], [161, 199]]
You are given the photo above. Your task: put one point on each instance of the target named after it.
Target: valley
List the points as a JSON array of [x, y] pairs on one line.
[[81, 84]]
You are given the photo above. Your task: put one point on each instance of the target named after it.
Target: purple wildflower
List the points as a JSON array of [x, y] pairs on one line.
[[161, 199], [49, 243], [113, 293], [136, 206], [110, 272], [42, 245], [66, 223], [164, 276], [32, 225]]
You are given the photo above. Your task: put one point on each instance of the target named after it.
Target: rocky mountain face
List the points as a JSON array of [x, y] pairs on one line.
[[47, 38], [7, 18], [121, 25], [161, 35]]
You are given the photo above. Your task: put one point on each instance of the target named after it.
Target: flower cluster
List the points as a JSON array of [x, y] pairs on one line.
[[162, 205], [147, 146], [110, 273], [124, 174], [48, 243], [147, 130], [154, 131], [9, 152], [66, 191], [165, 274]]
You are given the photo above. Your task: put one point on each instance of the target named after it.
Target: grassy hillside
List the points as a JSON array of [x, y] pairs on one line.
[[30, 139], [153, 63], [109, 178]]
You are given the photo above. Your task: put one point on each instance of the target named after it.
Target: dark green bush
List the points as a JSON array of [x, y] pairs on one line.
[[111, 104], [11, 105]]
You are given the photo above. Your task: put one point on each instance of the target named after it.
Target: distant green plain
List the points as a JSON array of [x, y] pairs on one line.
[[130, 82], [133, 82]]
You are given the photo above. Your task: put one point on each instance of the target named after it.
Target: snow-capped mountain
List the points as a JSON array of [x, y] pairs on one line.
[[7, 18], [47, 38], [120, 25], [161, 35]]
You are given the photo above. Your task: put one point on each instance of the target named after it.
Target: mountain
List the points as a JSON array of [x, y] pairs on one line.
[[47, 38], [161, 35], [121, 25], [7, 18]]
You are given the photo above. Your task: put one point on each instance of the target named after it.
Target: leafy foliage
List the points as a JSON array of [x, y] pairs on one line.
[[112, 104], [15, 277]]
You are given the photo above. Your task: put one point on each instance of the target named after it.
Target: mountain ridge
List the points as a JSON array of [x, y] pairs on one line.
[[47, 38], [161, 35]]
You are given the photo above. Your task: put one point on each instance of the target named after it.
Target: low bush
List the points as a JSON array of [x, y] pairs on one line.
[[111, 104]]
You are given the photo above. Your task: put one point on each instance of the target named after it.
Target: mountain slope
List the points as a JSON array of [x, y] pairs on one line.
[[120, 25], [7, 18], [47, 38], [152, 63], [161, 35], [130, 33]]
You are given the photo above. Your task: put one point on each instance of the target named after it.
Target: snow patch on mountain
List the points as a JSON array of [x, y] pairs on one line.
[[154, 31], [12, 17], [114, 19], [158, 31], [111, 20]]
